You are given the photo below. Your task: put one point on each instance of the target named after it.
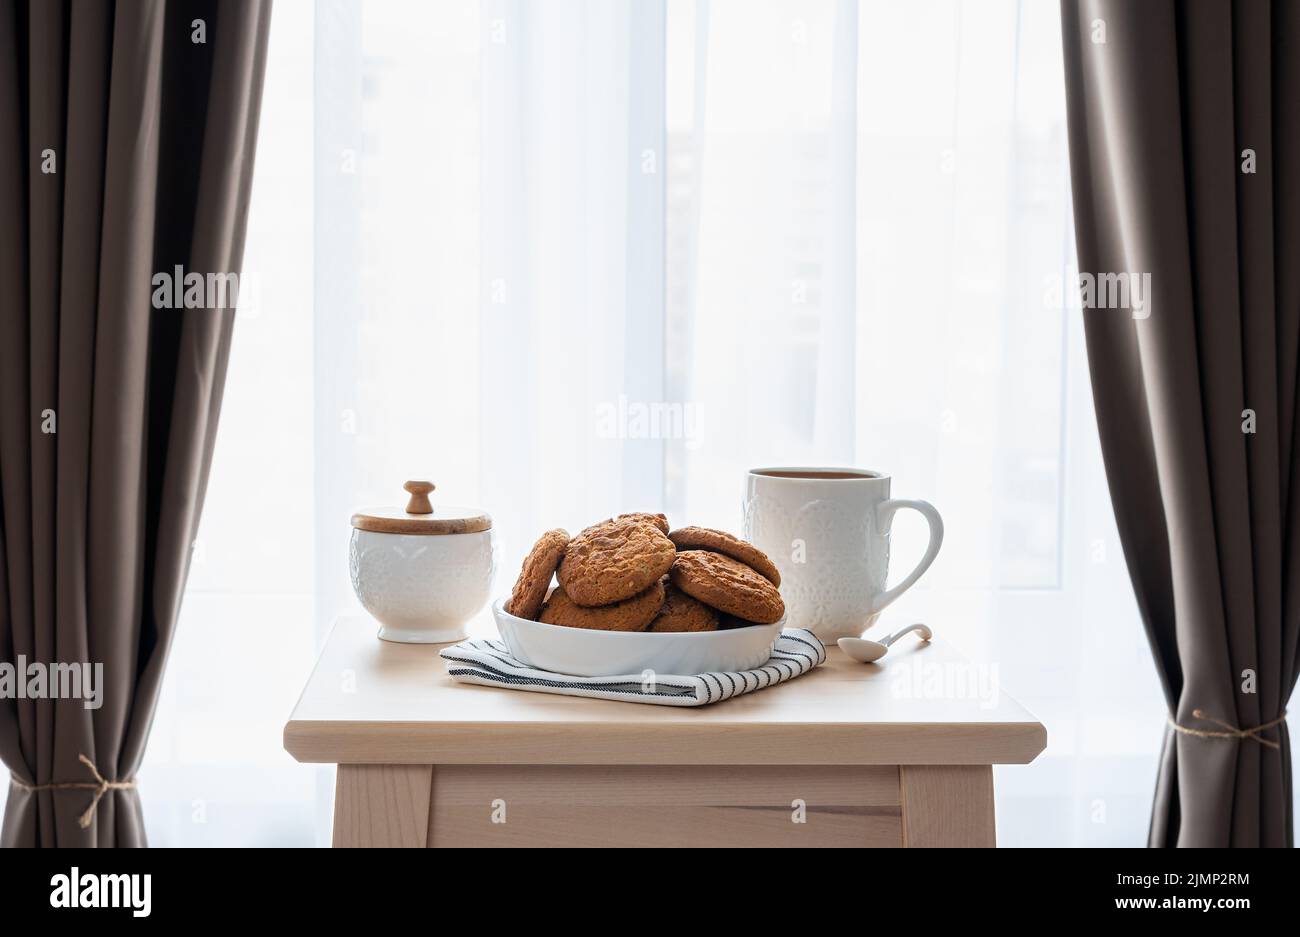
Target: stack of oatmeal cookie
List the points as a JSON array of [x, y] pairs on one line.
[[631, 573]]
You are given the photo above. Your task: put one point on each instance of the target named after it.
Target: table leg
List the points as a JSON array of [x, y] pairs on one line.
[[947, 805], [382, 805]]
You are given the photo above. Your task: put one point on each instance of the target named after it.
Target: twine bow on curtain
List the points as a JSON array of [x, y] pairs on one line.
[[1228, 731], [126, 148], [100, 786]]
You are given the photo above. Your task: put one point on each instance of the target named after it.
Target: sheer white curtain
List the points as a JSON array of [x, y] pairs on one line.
[[600, 256], [874, 239], [570, 307], [762, 142], [570, 258]]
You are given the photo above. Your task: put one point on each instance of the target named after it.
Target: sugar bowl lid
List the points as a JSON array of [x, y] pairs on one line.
[[420, 517]]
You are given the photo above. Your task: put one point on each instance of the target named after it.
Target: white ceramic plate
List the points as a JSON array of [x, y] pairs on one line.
[[584, 652]]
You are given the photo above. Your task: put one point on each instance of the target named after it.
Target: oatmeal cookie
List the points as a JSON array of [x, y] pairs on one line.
[[535, 576], [704, 538], [629, 615], [680, 612], [659, 520], [613, 561], [728, 585]]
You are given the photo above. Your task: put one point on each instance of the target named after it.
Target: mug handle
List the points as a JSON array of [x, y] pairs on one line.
[[885, 512]]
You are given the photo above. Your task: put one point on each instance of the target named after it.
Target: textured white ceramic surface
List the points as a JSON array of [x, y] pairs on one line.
[[583, 652], [423, 589], [829, 537]]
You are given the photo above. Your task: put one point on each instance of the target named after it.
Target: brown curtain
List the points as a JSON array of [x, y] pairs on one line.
[[108, 406], [1196, 401]]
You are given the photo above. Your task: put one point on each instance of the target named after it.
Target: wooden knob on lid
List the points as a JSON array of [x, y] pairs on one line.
[[419, 503], [418, 516]]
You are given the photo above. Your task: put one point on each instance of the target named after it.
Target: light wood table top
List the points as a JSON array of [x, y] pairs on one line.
[[373, 702]]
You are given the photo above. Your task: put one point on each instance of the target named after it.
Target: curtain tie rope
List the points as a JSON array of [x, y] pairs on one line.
[[1228, 731], [100, 786]]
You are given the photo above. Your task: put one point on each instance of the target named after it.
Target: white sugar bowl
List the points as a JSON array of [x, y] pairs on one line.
[[423, 573]]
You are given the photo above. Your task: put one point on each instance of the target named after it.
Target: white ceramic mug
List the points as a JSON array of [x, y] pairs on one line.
[[827, 531]]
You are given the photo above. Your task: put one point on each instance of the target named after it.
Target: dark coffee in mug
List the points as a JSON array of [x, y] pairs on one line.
[[815, 473]]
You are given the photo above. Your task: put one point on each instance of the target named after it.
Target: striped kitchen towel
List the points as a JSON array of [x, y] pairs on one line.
[[486, 662]]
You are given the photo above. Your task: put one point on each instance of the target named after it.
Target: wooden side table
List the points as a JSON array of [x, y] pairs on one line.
[[897, 754]]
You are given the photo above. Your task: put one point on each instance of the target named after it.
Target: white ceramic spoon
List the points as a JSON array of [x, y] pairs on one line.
[[860, 649]]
